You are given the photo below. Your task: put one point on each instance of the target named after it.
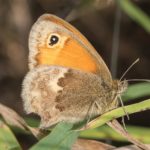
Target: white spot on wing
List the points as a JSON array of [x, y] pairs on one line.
[[55, 78]]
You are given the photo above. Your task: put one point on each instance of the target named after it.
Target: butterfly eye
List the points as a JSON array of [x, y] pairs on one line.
[[53, 40]]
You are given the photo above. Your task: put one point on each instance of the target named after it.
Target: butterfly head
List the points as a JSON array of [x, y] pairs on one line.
[[121, 86], [118, 88]]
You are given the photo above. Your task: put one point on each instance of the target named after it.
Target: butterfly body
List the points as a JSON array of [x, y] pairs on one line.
[[68, 80]]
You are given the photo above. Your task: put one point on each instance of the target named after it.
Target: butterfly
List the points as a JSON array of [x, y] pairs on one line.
[[67, 79]]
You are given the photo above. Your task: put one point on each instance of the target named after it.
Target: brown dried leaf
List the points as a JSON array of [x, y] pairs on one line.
[[82, 144], [13, 119], [130, 147]]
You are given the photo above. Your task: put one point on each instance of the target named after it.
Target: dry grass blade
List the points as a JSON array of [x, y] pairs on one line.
[[36, 132], [118, 128], [130, 147], [12, 118], [82, 144]]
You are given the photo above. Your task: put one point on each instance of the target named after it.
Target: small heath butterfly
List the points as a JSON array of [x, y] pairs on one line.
[[68, 80]]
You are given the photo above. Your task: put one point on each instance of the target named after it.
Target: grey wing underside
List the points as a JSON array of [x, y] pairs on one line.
[[63, 94]]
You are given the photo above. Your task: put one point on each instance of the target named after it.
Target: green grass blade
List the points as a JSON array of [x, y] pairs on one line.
[[136, 14], [7, 138], [119, 112], [137, 91], [68, 141], [105, 132], [61, 138]]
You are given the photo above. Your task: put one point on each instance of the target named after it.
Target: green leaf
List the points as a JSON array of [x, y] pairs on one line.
[[119, 112], [137, 91], [136, 14], [7, 138], [61, 138], [32, 122], [105, 132]]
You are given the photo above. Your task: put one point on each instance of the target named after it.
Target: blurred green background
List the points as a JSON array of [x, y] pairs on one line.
[[95, 19]]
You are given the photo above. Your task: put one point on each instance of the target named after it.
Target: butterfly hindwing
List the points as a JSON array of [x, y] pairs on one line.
[[60, 93]]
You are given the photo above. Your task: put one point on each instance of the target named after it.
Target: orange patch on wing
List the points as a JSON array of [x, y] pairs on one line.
[[72, 55], [91, 60]]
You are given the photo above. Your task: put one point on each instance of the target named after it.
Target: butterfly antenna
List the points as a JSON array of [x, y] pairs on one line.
[[129, 68], [142, 80]]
